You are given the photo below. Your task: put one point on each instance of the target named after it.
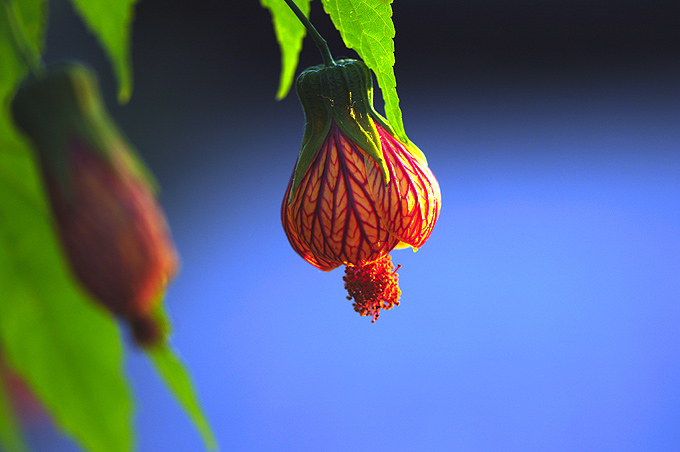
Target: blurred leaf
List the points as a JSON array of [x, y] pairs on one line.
[[290, 33], [366, 26], [13, 67], [64, 347], [111, 22], [177, 379], [67, 349], [10, 434]]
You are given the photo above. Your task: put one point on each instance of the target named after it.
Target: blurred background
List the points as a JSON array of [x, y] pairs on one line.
[[543, 313]]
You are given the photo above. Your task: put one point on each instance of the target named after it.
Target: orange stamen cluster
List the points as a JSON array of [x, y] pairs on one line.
[[373, 286]]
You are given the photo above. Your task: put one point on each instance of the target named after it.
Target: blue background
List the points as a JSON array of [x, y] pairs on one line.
[[542, 314]]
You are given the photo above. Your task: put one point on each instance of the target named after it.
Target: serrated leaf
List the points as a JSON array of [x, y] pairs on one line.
[[176, 377], [111, 22], [289, 33], [10, 433], [366, 26], [63, 346]]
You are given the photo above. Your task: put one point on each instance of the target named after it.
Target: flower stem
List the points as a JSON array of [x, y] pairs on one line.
[[318, 39], [28, 52]]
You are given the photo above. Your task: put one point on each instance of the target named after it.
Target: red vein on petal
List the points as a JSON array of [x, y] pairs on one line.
[[333, 215]]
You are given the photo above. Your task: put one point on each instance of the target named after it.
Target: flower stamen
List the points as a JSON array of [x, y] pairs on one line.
[[373, 286]]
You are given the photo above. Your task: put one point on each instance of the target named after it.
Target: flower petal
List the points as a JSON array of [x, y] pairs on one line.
[[299, 246], [113, 231], [332, 218], [409, 204]]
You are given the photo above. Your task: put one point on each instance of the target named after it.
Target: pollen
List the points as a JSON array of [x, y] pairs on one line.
[[373, 286]]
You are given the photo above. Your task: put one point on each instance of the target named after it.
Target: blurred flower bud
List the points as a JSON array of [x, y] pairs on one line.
[[112, 228]]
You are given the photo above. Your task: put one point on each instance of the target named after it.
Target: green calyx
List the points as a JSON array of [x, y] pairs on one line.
[[63, 103], [340, 93]]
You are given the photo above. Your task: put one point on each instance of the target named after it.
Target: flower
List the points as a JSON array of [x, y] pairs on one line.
[[357, 191], [111, 227]]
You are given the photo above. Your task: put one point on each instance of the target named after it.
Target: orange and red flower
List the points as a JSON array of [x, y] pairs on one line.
[[112, 229], [357, 191]]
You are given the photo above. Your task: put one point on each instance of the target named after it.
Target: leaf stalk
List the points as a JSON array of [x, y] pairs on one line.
[[318, 39]]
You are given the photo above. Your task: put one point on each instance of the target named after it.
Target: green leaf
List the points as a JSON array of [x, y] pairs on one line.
[[33, 16], [67, 349], [366, 26], [176, 377], [290, 33], [10, 433], [111, 21]]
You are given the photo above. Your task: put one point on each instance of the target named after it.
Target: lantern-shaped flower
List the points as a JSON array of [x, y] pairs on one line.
[[111, 226], [357, 191]]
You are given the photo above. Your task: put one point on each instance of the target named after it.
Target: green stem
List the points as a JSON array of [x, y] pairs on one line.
[[29, 53], [318, 39]]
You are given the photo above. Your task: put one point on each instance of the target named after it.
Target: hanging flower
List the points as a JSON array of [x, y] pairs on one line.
[[112, 229], [357, 191]]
